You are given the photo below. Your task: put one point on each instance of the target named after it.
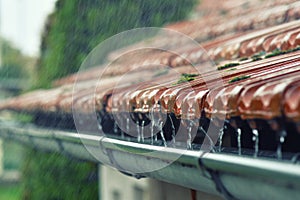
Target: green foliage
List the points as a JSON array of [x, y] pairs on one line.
[[12, 155], [71, 32], [77, 26], [10, 192], [13, 62], [23, 117], [54, 176]]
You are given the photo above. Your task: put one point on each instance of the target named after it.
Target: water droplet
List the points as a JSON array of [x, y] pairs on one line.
[[189, 139], [282, 135], [100, 127], [152, 131], [211, 143], [173, 131], [121, 121], [115, 128], [99, 119], [138, 132], [221, 134], [127, 125], [162, 134], [142, 131], [256, 140], [239, 132]]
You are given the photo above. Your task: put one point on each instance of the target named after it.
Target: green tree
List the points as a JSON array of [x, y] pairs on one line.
[[54, 176], [77, 26], [14, 64], [71, 32]]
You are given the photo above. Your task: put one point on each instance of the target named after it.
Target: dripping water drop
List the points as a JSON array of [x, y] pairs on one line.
[[221, 134], [142, 131], [256, 140], [173, 131], [239, 132], [162, 134]]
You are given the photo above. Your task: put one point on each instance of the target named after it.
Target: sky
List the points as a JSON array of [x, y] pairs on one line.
[[22, 21]]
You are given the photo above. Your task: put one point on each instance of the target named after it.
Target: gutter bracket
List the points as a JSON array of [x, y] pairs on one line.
[[118, 167], [63, 151], [215, 177]]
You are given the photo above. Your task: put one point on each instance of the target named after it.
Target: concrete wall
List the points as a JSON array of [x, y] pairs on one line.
[[117, 186]]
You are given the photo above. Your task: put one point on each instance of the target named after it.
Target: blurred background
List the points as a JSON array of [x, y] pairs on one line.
[[41, 41]]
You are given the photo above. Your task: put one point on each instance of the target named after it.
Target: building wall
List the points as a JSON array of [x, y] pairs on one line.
[[117, 186], [1, 157]]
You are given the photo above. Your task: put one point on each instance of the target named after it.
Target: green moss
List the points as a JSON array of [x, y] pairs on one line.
[[244, 58], [295, 49], [277, 52], [232, 69], [189, 75], [186, 78], [226, 66], [258, 56], [238, 78], [256, 59]]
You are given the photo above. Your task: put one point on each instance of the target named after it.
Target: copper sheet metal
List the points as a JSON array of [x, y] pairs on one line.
[[182, 99], [291, 103], [228, 47], [226, 100], [264, 101]]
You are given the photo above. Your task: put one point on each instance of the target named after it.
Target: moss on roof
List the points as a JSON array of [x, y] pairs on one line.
[[228, 65], [186, 78], [238, 78]]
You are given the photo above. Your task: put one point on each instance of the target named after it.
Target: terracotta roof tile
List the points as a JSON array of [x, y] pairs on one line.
[[252, 93]]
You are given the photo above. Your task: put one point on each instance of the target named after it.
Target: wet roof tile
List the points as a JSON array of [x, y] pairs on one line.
[[258, 96]]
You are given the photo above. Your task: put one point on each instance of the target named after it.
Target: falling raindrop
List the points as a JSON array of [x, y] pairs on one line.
[[189, 139], [211, 143], [142, 131], [99, 122], [152, 132], [282, 136], [115, 128], [256, 140], [162, 134], [122, 134], [239, 132], [173, 131], [221, 134], [127, 125], [138, 132], [100, 127], [120, 129]]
